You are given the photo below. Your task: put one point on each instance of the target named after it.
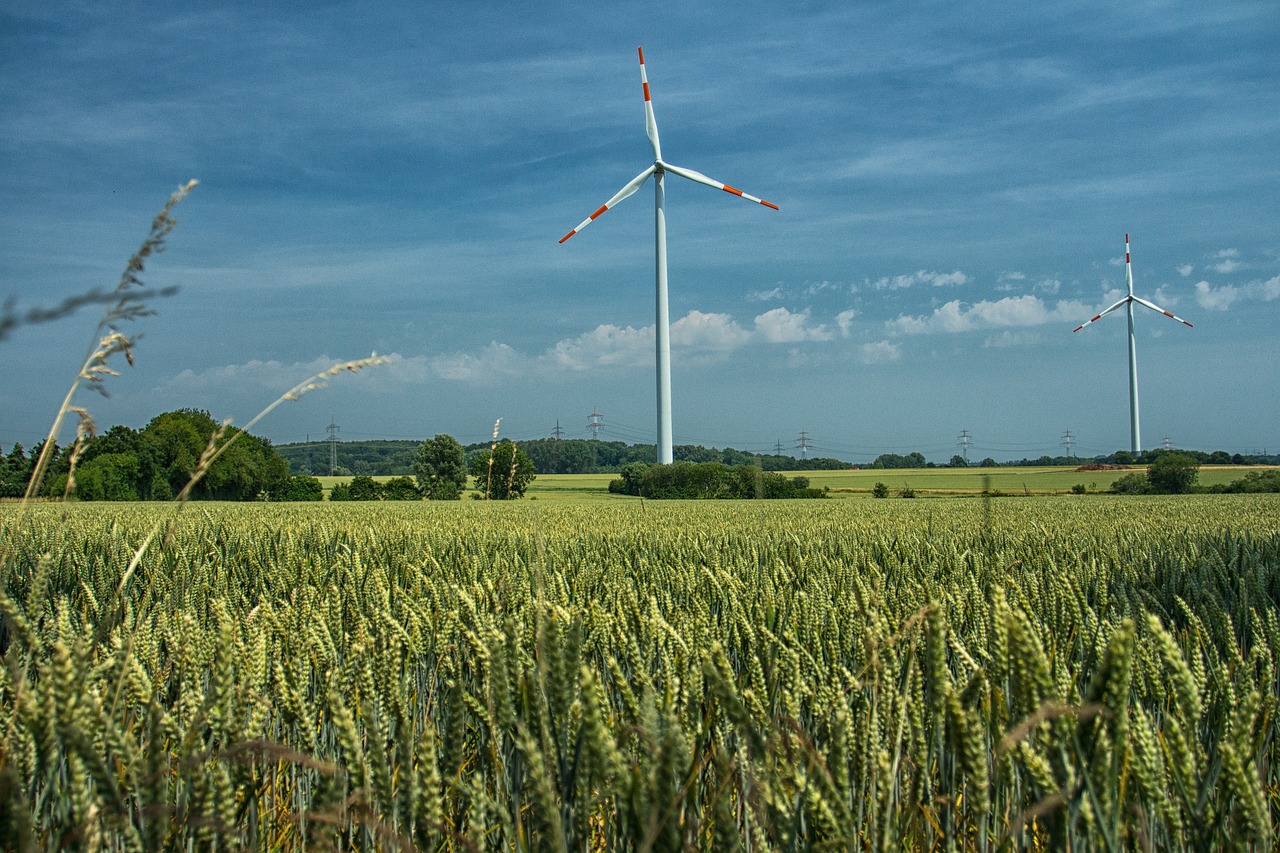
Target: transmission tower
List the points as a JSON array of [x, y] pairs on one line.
[[557, 432], [1067, 440], [333, 445], [595, 424], [1168, 443], [777, 448], [803, 444], [964, 443]]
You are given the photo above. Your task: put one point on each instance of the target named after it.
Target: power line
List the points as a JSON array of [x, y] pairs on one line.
[[333, 445], [595, 424], [803, 444]]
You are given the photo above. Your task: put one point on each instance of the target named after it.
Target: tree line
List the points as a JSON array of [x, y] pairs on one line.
[[156, 463], [708, 481]]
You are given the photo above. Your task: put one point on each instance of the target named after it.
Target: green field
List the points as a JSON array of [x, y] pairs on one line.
[[1051, 674], [858, 483]]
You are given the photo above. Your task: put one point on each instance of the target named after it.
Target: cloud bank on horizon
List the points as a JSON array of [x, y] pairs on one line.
[[954, 187]]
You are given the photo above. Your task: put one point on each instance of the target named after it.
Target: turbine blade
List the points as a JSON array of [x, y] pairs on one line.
[[621, 194], [1154, 307], [650, 123], [1128, 267], [1102, 314], [691, 175]]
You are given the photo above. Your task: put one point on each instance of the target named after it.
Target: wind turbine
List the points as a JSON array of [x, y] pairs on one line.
[[1135, 439], [662, 326]]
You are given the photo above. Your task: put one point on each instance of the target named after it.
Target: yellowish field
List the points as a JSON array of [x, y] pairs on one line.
[[851, 483]]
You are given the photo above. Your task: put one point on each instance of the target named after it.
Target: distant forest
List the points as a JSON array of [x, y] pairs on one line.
[[587, 456]]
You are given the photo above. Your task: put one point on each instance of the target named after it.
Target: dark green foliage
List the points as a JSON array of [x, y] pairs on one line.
[[400, 489], [1131, 484], [1254, 482], [15, 472], [108, 477], [880, 490], [508, 475], [298, 488], [441, 468], [893, 460], [708, 481], [1173, 474], [364, 489], [340, 492]]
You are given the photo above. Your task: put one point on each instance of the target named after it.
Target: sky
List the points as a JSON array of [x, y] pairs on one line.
[[954, 182]]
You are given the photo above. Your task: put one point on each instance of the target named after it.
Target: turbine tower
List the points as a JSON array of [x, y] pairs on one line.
[[1135, 437], [662, 325]]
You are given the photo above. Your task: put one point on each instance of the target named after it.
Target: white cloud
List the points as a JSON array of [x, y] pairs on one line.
[[1007, 339], [845, 321], [1048, 285], [1229, 261], [606, 345], [780, 326], [937, 279], [709, 331], [1011, 311], [702, 333], [880, 352], [1185, 270], [1222, 298], [765, 295], [494, 362], [820, 287]]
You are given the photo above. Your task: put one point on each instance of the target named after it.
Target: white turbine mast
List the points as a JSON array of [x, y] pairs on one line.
[[662, 326], [1135, 436]]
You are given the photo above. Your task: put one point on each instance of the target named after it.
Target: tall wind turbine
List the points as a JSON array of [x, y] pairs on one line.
[[662, 326], [1135, 438]]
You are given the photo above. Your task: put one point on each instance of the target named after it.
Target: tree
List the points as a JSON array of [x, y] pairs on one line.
[[365, 489], [400, 489], [108, 477], [1173, 474], [958, 461], [299, 488], [441, 469], [880, 490], [1131, 484], [507, 476]]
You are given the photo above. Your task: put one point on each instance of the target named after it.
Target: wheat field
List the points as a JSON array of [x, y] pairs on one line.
[[949, 674]]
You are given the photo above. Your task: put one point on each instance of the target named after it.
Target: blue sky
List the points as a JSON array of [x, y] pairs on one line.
[[955, 183]]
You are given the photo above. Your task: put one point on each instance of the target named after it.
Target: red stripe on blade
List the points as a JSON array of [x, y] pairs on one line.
[[570, 234], [769, 204], [646, 91], [602, 209], [640, 50], [730, 189]]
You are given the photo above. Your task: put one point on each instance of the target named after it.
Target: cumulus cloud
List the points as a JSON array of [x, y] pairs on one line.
[[1222, 298], [1048, 285], [781, 326], [1185, 270], [606, 345], [936, 279], [880, 352], [844, 320], [765, 295], [1011, 311], [702, 333], [1228, 261], [494, 362]]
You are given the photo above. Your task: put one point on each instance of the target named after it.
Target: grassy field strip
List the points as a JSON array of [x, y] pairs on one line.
[[850, 483]]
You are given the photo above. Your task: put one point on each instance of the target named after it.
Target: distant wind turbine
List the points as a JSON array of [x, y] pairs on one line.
[[1135, 437], [662, 326]]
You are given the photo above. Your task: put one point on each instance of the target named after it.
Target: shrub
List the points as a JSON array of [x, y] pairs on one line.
[[880, 490]]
